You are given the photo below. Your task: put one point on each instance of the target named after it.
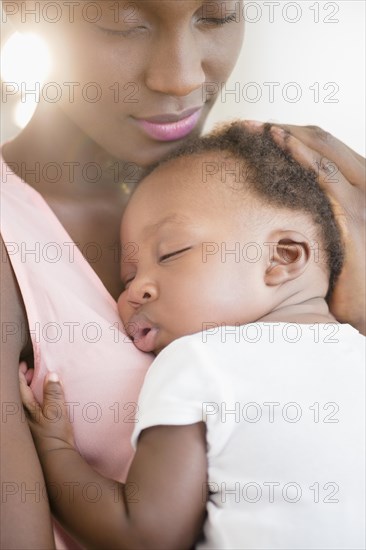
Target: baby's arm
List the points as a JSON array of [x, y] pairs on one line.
[[162, 504]]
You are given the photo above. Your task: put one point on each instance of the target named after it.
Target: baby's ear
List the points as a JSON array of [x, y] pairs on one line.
[[289, 254]]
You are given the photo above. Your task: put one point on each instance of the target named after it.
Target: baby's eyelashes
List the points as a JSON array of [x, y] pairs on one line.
[[173, 254], [127, 282]]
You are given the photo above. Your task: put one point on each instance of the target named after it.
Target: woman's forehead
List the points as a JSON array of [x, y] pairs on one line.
[[123, 11], [167, 7]]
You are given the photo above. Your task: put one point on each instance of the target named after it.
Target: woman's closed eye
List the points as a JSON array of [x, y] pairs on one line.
[[173, 255], [123, 33], [218, 21]]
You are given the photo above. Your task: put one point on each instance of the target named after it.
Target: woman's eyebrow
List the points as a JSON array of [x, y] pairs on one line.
[[153, 5]]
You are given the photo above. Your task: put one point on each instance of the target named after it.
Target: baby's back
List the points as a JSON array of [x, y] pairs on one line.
[[292, 472], [284, 406]]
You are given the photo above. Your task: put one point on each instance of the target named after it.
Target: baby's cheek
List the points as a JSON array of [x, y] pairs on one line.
[[124, 310]]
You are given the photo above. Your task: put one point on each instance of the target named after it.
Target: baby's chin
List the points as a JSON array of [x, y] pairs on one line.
[[164, 340], [163, 345]]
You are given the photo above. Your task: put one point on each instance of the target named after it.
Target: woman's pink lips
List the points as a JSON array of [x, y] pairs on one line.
[[163, 130]]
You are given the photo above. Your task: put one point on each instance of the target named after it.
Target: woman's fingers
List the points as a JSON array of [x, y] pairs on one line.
[[341, 173], [348, 200], [348, 162], [344, 183], [334, 183]]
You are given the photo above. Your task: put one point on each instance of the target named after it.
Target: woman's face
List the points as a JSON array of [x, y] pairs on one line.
[[143, 75]]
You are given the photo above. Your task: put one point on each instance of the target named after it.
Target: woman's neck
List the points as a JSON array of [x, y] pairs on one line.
[[52, 149], [51, 145]]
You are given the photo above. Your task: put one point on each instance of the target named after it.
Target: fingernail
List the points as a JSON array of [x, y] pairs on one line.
[[278, 131], [53, 377], [253, 123]]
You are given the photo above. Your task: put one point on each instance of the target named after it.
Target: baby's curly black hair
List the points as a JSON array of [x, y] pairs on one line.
[[274, 175]]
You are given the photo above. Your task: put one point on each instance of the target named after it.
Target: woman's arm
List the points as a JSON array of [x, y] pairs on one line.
[[342, 175], [25, 513], [162, 504]]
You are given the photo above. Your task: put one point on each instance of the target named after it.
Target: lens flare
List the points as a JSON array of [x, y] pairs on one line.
[[26, 63], [23, 112], [25, 59]]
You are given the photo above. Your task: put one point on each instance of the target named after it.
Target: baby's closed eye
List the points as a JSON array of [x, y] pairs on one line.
[[173, 254]]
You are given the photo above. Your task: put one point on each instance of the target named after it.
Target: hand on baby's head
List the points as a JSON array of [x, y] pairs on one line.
[[225, 231]]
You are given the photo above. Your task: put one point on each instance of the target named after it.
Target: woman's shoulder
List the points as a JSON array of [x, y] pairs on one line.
[[12, 309]]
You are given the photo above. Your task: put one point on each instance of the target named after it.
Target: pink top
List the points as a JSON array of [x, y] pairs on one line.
[[75, 329]]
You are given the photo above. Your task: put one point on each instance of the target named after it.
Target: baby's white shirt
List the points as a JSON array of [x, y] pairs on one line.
[[284, 406]]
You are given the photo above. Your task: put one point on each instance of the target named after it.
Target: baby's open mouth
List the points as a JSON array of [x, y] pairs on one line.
[[139, 333], [142, 334]]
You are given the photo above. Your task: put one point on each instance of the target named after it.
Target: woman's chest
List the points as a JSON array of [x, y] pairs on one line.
[[94, 227]]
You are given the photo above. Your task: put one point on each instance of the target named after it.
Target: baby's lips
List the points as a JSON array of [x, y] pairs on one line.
[[146, 341]]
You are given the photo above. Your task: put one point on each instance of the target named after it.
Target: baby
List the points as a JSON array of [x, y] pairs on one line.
[[251, 418]]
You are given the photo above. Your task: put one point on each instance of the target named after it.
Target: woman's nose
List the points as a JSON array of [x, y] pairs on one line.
[[175, 65]]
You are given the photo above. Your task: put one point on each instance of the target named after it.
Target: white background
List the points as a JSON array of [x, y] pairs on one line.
[[304, 52]]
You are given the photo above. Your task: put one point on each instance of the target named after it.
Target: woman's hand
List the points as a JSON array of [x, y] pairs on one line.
[[342, 176], [49, 423]]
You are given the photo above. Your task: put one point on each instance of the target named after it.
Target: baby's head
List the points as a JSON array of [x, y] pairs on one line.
[[226, 231]]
